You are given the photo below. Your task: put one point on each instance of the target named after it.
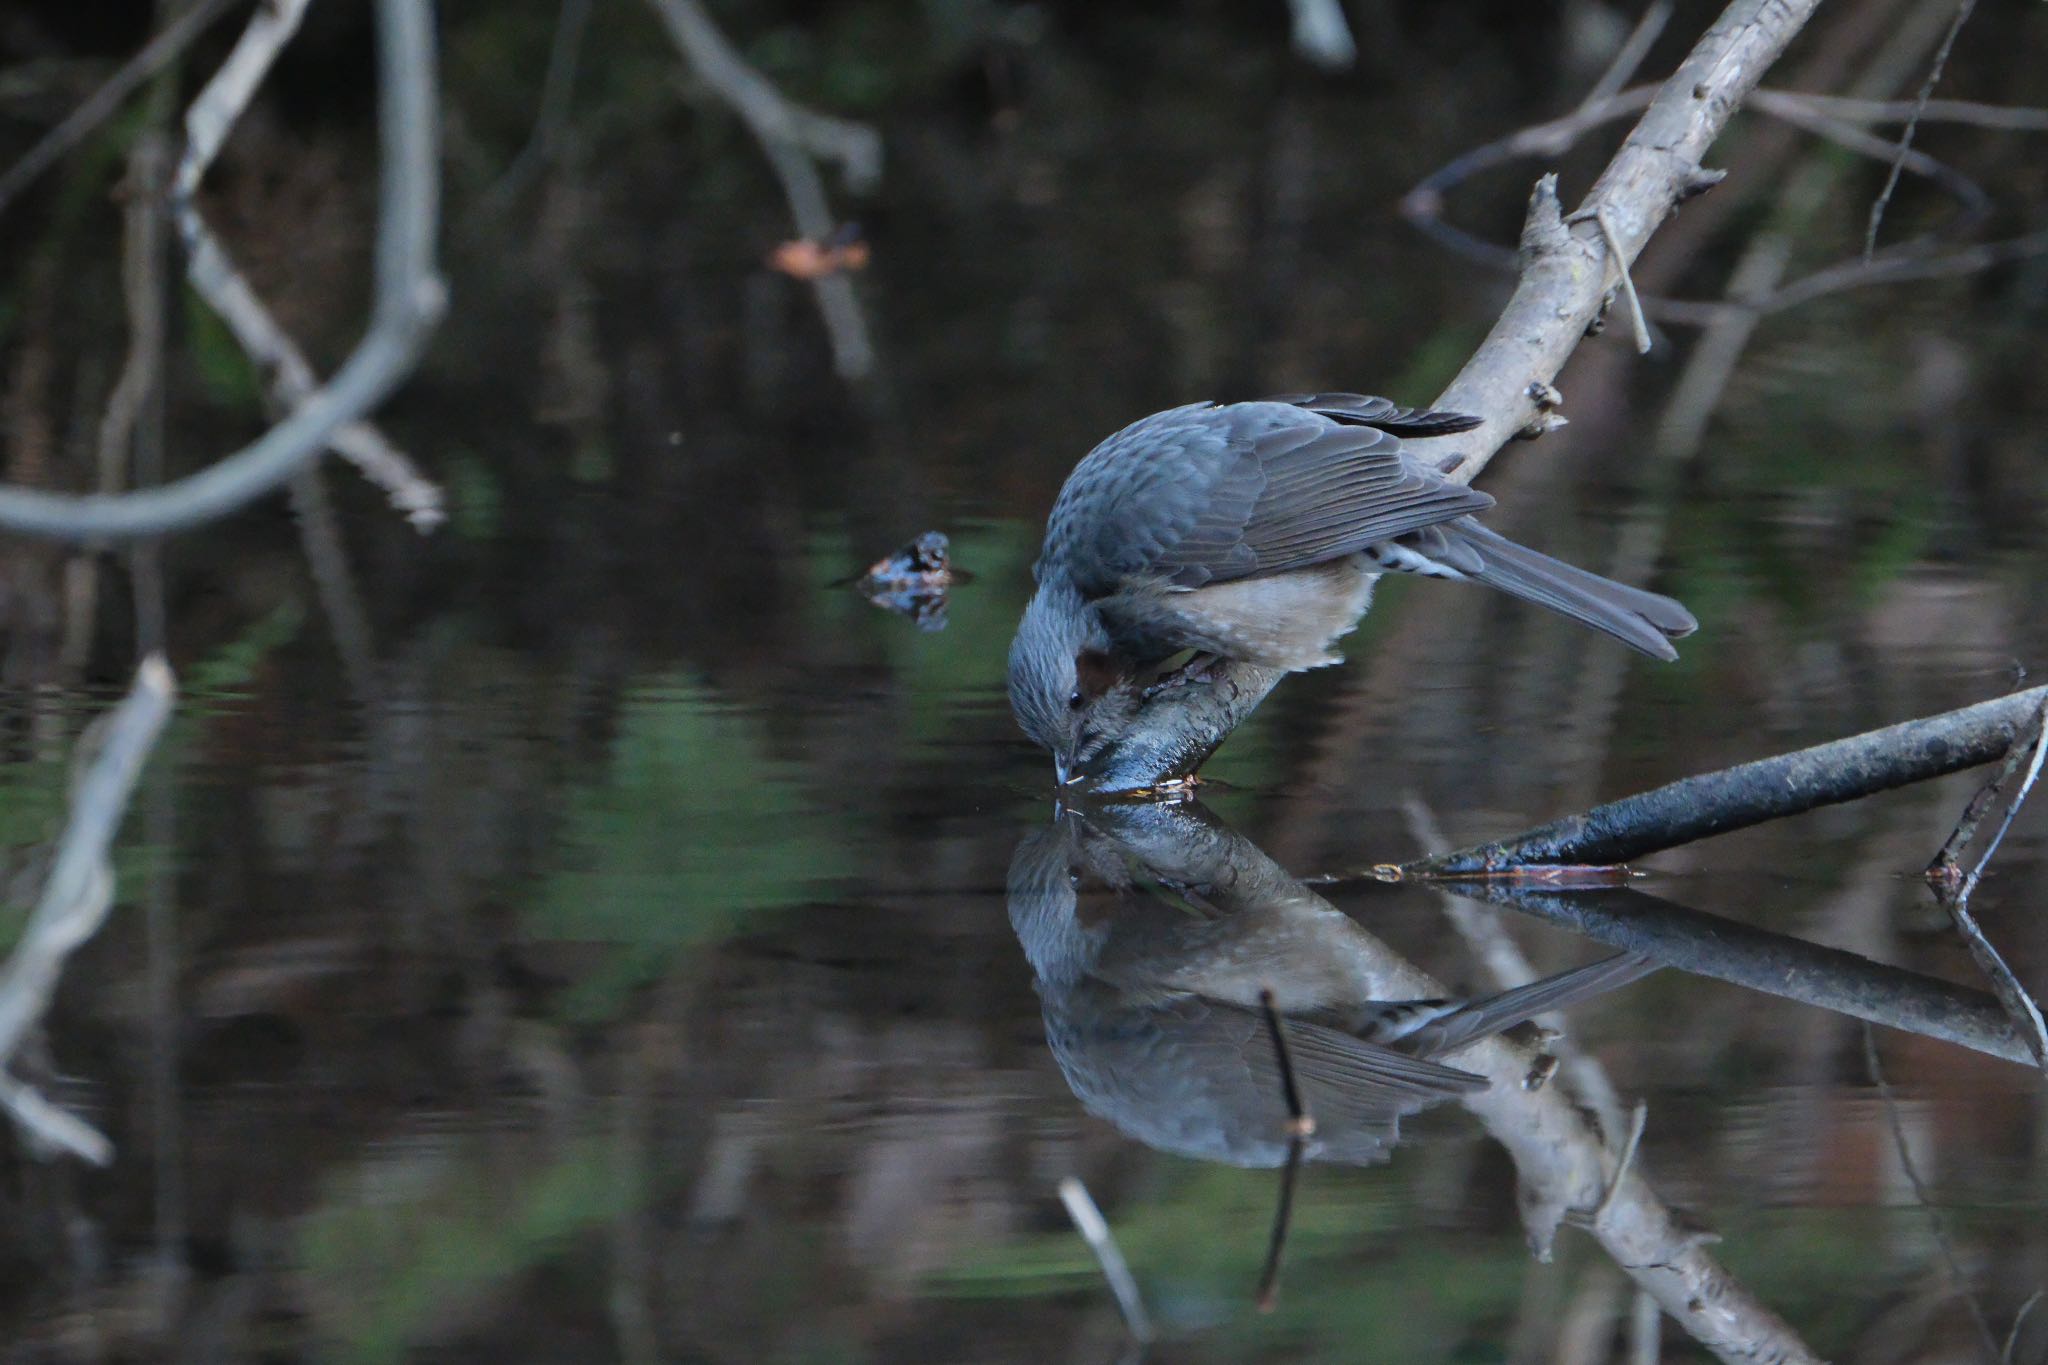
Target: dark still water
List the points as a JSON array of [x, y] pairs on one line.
[[595, 932]]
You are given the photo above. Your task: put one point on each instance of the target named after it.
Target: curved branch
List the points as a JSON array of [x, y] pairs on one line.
[[409, 302]]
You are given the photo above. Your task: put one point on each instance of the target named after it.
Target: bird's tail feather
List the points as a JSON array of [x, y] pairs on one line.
[[1646, 621], [1484, 1018]]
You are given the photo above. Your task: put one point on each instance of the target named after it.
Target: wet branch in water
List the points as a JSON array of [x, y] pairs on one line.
[[76, 895], [410, 299], [1753, 793]]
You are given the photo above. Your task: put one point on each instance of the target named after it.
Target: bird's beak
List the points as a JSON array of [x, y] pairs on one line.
[[1063, 770]]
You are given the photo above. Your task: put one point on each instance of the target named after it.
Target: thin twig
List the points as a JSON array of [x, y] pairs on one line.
[[1637, 324], [2004, 118], [132, 422], [1268, 1297], [1637, 1120], [793, 137], [1301, 1125], [1936, 1223], [215, 277], [1823, 115], [76, 894], [1953, 889], [557, 88], [1629, 57], [2037, 747], [2019, 1320], [156, 54], [1094, 1230], [410, 299], [1891, 179]]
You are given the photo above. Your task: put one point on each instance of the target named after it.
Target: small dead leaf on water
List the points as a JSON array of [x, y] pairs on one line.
[[804, 259]]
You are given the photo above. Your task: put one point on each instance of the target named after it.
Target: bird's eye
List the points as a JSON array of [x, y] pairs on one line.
[[1074, 701]]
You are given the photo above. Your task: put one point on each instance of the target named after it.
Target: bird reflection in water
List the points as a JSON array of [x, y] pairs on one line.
[[1210, 1005], [1153, 929]]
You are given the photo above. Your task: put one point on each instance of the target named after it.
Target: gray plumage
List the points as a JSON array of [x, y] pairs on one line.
[[1253, 532], [1150, 995]]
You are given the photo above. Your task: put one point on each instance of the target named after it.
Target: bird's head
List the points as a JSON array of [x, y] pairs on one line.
[[1069, 690]]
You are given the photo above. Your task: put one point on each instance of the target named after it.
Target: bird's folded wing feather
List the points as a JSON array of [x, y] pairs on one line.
[[1302, 490], [1202, 494]]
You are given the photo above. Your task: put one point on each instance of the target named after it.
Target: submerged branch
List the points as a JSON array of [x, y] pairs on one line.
[[1752, 793]]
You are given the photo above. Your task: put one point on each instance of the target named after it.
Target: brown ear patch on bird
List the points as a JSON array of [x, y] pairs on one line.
[[1095, 673]]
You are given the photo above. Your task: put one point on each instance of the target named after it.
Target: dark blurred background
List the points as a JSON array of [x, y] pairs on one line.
[[597, 948]]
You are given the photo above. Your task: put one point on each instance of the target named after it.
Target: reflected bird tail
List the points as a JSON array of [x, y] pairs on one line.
[[1426, 1034]]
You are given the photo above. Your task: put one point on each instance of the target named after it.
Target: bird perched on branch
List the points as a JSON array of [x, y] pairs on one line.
[[1252, 533]]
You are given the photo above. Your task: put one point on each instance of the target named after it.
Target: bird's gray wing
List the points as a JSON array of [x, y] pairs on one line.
[[1301, 489], [1203, 494]]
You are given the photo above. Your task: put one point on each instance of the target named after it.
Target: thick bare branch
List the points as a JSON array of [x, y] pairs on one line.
[[1566, 272]]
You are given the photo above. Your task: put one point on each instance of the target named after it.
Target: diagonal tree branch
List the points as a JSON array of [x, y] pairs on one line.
[[1752, 793], [75, 897], [1565, 278]]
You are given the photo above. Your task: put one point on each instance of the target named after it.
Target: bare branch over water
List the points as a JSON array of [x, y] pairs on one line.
[[75, 898], [410, 299]]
